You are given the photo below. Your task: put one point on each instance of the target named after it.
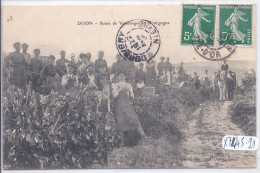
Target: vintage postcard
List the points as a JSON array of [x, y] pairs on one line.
[[128, 86]]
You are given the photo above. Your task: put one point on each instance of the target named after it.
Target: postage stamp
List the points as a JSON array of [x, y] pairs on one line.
[[136, 39], [235, 23], [198, 24]]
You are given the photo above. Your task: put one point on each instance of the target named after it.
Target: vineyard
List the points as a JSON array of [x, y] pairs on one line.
[[244, 108], [55, 132], [58, 132]]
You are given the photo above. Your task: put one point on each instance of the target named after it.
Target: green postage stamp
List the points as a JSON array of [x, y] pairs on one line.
[[235, 24], [198, 24]]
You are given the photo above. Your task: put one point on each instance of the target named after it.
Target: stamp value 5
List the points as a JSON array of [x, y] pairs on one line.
[[198, 24], [235, 23]]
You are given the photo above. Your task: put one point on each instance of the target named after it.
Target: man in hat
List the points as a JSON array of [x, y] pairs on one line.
[[161, 67], [116, 68], [61, 63], [17, 67], [224, 66], [35, 69]]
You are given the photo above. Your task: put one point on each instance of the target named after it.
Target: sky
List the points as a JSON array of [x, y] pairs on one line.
[[54, 28]]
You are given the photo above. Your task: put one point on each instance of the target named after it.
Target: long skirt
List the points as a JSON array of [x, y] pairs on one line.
[[127, 121]]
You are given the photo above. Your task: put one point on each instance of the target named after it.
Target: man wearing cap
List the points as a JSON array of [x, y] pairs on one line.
[[224, 66], [17, 67], [35, 69], [61, 63]]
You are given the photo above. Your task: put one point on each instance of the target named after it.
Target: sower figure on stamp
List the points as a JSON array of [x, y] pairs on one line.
[[17, 67], [126, 118], [70, 81], [232, 21], [139, 79], [195, 22], [35, 70]]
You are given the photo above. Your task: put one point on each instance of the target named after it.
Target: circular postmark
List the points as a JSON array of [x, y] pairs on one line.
[[138, 40], [216, 53]]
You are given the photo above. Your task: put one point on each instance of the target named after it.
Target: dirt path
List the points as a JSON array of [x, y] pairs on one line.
[[202, 147]]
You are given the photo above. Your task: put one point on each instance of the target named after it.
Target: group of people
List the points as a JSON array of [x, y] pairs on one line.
[[45, 75], [64, 76], [225, 82]]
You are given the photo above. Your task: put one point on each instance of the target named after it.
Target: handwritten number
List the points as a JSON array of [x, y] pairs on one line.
[[242, 142], [252, 143]]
